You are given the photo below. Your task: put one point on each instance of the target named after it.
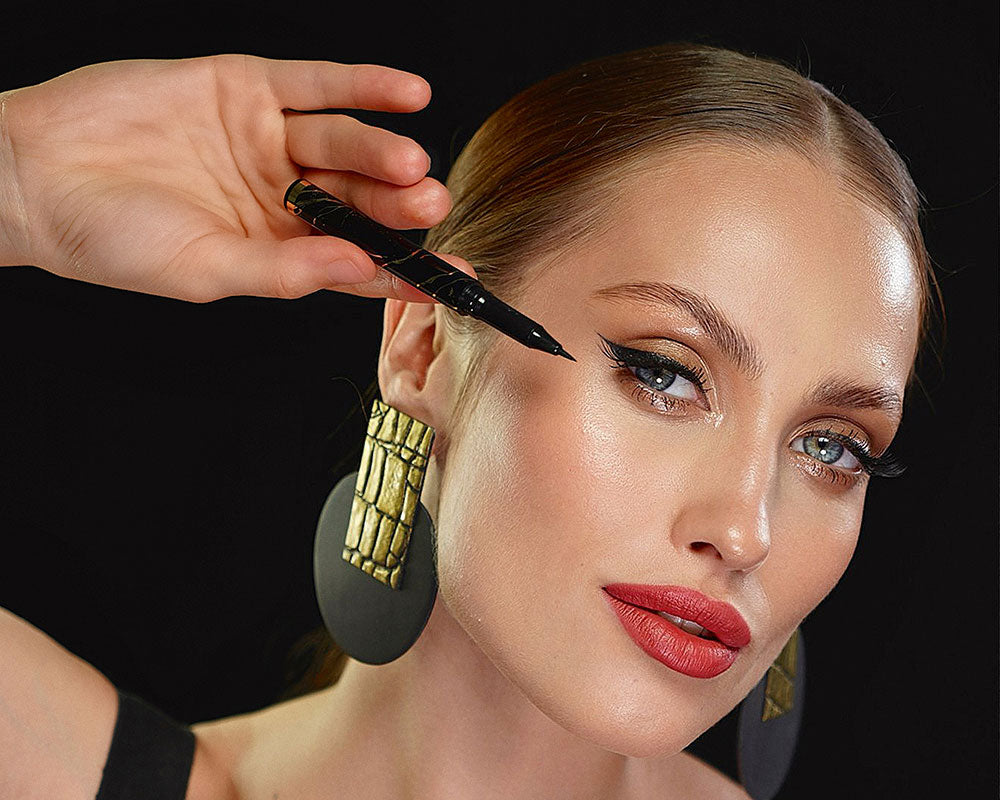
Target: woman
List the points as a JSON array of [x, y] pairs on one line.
[[732, 256]]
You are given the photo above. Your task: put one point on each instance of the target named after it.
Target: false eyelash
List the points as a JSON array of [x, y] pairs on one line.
[[887, 465], [628, 357]]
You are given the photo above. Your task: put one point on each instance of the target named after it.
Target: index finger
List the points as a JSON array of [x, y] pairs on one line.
[[312, 85]]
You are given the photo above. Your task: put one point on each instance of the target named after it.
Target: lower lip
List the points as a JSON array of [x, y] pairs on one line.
[[681, 651]]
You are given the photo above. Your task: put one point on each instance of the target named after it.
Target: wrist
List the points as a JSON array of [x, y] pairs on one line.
[[14, 239]]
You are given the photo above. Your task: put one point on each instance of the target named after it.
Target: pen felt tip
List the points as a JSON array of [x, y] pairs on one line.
[[564, 354]]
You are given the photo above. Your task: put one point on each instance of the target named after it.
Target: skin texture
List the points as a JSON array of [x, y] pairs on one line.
[[166, 176], [560, 481]]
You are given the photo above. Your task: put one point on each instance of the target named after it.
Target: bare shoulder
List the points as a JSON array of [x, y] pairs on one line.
[[57, 716]]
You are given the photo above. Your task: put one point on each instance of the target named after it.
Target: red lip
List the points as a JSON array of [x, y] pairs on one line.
[[692, 655]]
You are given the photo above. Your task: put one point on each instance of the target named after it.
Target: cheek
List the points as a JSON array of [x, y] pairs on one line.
[[519, 492], [533, 502], [810, 552], [541, 487]]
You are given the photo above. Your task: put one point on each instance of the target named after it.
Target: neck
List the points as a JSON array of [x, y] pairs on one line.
[[442, 722]]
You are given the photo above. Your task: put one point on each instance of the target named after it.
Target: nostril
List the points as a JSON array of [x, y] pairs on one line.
[[699, 546]]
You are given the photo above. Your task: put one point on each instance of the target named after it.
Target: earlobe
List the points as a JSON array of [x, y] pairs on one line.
[[406, 357]]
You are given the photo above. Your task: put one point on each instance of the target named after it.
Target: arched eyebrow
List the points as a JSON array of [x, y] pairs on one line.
[[842, 392], [833, 390]]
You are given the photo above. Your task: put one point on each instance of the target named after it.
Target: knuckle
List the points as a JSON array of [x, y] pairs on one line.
[[393, 286], [373, 200], [329, 135], [374, 76], [354, 79], [287, 285], [347, 137]]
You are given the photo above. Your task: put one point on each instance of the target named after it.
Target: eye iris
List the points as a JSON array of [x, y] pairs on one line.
[[822, 447], [656, 377]]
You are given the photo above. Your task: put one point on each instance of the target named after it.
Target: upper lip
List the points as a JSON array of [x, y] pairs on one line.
[[719, 618]]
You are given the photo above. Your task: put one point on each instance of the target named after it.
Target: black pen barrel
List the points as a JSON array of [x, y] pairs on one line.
[[386, 247], [416, 266]]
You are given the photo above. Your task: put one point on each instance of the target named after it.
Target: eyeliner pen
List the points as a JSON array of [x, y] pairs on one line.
[[418, 267]]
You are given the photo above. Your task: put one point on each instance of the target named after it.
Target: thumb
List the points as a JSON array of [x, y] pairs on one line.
[[224, 264]]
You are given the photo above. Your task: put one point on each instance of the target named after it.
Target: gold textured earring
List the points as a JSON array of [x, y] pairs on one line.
[[769, 721], [779, 690], [376, 583], [387, 492]]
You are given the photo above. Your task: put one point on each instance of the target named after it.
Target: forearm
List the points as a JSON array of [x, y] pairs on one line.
[[13, 216]]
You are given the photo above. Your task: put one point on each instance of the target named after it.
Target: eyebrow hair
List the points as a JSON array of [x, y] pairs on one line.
[[742, 350], [844, 393], [736, 345]]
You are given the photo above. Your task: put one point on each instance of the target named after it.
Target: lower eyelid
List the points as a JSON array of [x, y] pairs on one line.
[[673, 400], [848, 449], [835, 476], [641, 392]]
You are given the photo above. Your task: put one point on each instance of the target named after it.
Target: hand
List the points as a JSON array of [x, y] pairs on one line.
[[168, 177]]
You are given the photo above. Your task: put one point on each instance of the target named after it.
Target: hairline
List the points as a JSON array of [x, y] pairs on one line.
[[611, 179]]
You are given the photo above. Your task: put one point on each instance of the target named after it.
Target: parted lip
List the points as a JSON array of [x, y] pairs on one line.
[[719, 618]]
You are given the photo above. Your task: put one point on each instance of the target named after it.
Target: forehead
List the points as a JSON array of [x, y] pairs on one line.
[[770, 238]]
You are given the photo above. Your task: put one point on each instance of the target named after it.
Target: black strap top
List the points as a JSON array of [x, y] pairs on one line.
[[150, 755]]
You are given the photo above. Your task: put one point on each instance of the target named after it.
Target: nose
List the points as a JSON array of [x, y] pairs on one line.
[[729, 522]]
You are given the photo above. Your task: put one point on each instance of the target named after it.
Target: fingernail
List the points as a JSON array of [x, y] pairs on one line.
[[347, 271]]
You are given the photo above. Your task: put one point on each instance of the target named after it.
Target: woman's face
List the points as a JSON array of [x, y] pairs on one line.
[[795, 306]]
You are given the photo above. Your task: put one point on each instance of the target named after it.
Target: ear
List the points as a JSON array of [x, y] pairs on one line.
[[414, 365]]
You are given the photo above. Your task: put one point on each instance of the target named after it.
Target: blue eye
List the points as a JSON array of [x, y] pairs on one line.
[[843, 457], [659, 379], [655, 380], [827, 450], [657, 372]]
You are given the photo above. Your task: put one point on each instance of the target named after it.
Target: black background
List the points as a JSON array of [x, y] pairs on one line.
[[162, 464]]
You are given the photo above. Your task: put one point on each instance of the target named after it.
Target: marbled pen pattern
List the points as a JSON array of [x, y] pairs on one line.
[[386, 247]]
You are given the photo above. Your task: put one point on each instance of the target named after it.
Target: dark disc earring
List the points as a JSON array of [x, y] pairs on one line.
[[769, 721], [373, 557]]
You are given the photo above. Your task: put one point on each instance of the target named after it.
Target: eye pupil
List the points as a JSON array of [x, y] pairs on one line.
[[654, 376], [824, 448]]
